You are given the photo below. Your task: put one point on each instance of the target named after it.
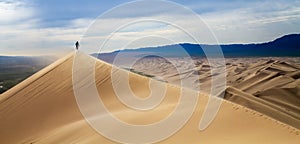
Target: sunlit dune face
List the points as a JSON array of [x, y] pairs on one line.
[[140, 89]]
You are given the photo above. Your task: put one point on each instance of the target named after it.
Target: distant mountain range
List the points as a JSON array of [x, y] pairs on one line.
[[12, 61], [286, 46]]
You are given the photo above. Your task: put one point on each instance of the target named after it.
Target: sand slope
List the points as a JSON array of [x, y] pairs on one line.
[[42, 109], [267, 85], [273, 84]]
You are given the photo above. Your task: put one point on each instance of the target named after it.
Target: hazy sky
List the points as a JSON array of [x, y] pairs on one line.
[[47, 27]]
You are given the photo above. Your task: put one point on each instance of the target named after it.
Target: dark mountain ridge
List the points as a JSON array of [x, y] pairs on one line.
[[286, 46]]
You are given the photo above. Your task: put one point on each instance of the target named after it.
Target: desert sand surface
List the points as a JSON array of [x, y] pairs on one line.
[[270, 85], [43, 109]]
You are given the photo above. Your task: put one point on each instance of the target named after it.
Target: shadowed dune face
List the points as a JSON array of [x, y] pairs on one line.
[[43, 109]]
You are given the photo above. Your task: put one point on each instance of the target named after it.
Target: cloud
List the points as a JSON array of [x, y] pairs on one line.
[[12, 11], [26, 30], [255, 22], [25, 39]]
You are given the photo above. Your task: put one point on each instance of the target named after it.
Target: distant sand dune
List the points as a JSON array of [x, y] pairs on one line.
[[43, 109]]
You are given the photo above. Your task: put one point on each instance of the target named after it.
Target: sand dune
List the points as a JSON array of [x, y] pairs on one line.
[[268, 85], [43, 109]]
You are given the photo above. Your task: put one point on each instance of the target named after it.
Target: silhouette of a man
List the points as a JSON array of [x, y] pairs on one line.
[[77, 45]]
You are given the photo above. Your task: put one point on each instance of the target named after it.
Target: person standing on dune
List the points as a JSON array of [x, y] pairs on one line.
[[77, 45]]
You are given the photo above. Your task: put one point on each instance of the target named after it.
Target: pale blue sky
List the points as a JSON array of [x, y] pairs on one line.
[[42, 27]]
